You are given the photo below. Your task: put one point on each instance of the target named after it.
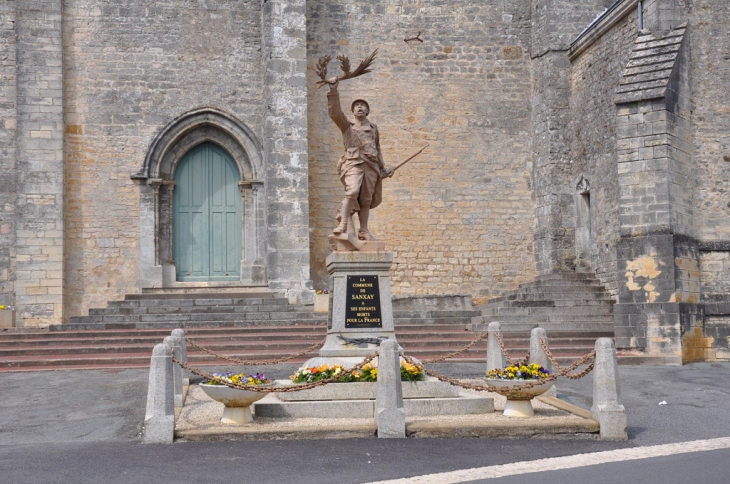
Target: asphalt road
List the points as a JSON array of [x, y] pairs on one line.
[[711, 467], [83, 426]]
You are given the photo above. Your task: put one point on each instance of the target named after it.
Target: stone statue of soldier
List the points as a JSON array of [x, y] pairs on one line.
[[361, 168]]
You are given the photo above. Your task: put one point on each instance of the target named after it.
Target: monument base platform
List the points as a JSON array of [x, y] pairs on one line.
[[357, 400]]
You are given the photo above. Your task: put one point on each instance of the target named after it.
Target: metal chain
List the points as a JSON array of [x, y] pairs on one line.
[[524, 361], [277, 389], [517, 391], [549, 355], [458, 352], [251, 362], [572, 367], [487, 387]]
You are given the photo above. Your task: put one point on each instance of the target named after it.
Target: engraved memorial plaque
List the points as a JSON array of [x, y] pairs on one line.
[[363, 302]]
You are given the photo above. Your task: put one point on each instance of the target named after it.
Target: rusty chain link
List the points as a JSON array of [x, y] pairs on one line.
[[458, 352], [514, 392], [518, 391], [524, 361], [572, 367], [277, 389], [250, 362]]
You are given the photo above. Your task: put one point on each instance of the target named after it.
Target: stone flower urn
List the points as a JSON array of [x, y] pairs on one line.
[[237, 402], [519, 398]]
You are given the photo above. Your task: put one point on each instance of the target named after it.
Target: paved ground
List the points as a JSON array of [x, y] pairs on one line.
[[82, 426]]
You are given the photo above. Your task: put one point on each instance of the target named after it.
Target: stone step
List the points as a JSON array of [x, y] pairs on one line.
[[433, 321], [208, 301], [539, 317], [435, 313], [572, 299], [464, 404], [549, 292], [130, 330], [208, 294], [535, 311], [68, 344], [133, 359], [576, 327], [420, 344], [247, 302]]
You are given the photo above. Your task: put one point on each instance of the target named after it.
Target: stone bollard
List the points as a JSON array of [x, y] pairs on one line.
[[179, 334], [606, 409], [177, 371], [390, 414], [159, 420], [495, 358], [538, 355]]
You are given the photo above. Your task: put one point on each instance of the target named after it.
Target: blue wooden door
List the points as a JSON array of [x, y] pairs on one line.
[[207, 216]]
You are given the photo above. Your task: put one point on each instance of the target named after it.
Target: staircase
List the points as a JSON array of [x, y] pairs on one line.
[[261, 325], [245, 325], [574, 309]]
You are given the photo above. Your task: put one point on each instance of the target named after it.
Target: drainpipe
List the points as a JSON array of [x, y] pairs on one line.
[[641, 15]]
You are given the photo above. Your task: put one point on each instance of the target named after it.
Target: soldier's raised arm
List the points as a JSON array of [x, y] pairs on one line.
[[335, 109]]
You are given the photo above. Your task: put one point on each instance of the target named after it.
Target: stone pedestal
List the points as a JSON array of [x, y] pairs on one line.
[[361, 308]]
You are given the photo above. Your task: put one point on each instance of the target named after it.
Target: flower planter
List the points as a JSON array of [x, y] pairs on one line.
[[518, 399], [237, 402]]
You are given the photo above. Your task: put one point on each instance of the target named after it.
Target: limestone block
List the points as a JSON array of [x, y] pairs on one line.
[[430, 388], [612, 421], [159, 422], [390, 415]]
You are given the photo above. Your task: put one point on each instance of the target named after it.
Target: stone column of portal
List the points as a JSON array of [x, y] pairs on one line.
[[285, 148]]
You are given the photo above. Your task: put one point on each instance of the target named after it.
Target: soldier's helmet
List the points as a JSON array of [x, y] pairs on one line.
[[352, 106]]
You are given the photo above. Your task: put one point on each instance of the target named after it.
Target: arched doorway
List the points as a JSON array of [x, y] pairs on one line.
[[207, 216]]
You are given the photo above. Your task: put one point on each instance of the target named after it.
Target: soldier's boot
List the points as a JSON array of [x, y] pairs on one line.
[[345, 216], [363, 233]]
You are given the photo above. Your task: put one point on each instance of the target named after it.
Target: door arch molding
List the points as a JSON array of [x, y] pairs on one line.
[[157, 185]]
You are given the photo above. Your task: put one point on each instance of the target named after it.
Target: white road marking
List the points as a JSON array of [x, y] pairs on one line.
[[567, 462]]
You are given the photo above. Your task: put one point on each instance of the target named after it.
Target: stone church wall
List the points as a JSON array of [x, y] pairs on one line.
[[595, 75], [132, 66], [710, 80], [460, 216]]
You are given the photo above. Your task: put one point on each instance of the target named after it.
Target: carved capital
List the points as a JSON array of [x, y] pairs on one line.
[[583, 187], [249, 185]]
